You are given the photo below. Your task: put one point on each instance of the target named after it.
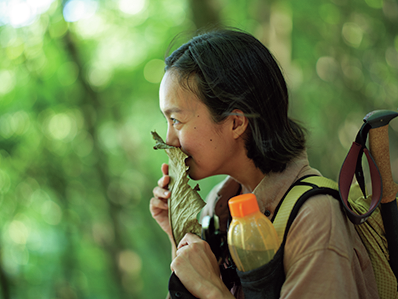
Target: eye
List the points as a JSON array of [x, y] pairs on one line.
[[174, 121]]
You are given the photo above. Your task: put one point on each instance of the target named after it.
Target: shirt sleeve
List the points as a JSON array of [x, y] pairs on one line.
[[318, 253]]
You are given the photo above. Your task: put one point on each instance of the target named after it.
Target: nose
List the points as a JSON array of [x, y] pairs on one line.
[[172, 138]]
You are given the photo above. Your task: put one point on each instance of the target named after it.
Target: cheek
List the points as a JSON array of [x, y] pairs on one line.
[[188, 143], [200, 138], [196, 143]]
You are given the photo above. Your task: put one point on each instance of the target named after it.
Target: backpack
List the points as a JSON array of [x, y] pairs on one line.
[[370, 231], [373, 223], [377, 225]]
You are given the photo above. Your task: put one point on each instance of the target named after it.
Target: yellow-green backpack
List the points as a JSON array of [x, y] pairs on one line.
[[376, 216], [371, 231]]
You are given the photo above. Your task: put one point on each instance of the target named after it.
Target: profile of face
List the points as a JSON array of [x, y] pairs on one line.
[[210, 146]]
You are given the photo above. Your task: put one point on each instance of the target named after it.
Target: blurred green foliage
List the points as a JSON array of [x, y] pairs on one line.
[[78, 101]]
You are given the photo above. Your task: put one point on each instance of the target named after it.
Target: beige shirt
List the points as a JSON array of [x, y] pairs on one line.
[[324, 256]]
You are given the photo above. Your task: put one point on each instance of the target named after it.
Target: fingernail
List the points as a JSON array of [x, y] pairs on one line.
[[166, 193]]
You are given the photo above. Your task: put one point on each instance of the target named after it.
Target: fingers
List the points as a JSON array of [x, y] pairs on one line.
[[161, 193], [196, 244], [161, 190], [165, 179], [165, 169], [157, 205], [189, 239], [194, 257]]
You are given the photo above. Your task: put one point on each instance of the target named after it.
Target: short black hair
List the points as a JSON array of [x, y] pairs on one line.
[[234, 70]]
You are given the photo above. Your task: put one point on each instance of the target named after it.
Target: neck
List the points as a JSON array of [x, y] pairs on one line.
[[243, 169], [247, 174]]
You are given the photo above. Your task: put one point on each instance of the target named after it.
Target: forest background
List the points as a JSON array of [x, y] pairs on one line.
[[79, 86]]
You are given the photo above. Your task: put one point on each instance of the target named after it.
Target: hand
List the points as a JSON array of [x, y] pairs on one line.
[[158, 204], [197, 268]]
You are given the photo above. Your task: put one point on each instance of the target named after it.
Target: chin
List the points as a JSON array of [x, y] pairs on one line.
[[192, 175], [193, 172], [195, 176]]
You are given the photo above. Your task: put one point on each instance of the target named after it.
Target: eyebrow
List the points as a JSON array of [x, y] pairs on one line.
[[171, 110]]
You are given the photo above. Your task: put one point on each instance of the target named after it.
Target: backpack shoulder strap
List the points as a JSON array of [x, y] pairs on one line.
[[295, 197]]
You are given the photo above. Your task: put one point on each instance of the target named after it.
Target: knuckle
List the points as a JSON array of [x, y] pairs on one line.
[[160, 182], [157, 191], [154, 191], [152, 204], [197, 246]]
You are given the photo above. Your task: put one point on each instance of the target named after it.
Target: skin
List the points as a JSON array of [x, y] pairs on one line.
[[212, 148]]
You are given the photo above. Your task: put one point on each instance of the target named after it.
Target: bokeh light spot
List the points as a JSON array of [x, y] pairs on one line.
[[75, 10], [99, 76], [5, 182], [83, 144], [347, 132], [58, 29], [326, 68], [7, 80], [91, 28], [352, 34], [18, 232], [154, 70], [375, 3], [15, 49], [20, 14], [130, 262], [132, 7], [51, 212], [40, 6], [60, 126], [8, 35], [330, 13], [392, 57]]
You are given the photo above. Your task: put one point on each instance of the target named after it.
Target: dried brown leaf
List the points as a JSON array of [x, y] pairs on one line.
[[185, 203]]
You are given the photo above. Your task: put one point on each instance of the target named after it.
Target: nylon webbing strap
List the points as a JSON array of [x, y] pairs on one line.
[[353, 165], [293, 195]]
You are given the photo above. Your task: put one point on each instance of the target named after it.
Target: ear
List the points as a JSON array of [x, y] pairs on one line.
[[239, 123]]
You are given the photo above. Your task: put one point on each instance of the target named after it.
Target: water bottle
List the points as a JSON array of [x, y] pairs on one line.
[[252, 239]]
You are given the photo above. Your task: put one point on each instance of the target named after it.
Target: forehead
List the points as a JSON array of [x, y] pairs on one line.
[[173, 97]]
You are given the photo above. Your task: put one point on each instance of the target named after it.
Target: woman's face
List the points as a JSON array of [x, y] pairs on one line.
[[209, 146]]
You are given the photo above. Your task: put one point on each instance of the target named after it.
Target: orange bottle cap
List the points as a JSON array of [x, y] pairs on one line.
[[243, 205]]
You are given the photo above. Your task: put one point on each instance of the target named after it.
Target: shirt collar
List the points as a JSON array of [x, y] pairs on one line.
[[273, 186]]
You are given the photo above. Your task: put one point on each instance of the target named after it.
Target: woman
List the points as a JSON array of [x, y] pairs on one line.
[[226, 104]]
